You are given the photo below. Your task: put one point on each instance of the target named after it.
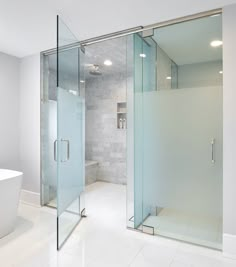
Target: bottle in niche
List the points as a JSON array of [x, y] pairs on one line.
[[124, 123], [120, 123]]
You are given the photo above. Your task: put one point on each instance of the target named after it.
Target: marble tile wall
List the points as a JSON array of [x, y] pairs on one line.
[[104, 142]]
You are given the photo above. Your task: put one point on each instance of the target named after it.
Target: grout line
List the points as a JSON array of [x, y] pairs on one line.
[[136, 255]]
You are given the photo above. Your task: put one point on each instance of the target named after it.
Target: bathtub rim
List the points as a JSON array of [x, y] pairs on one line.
[[6, 174]]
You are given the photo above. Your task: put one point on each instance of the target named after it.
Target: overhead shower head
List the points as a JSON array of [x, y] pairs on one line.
[[95, 70]]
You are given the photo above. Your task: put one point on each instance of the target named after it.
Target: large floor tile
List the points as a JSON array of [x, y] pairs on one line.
[[154, 255], [100, 240], [176, 263]]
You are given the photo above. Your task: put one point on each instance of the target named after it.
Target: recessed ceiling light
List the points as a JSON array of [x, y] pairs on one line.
[[221, 72], [108, 62], [142, 55], [168, 78], [82, 81], [216, 43]]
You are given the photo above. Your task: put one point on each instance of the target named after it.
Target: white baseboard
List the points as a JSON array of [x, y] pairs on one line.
[[229, 246], [30, 198]]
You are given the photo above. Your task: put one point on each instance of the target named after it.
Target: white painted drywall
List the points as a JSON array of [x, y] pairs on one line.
[[28, 27], [9, 109], [229, 122], [29, 120], [202, 74]]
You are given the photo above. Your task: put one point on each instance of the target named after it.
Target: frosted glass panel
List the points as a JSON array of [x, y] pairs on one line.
[[48, 136], [178, 150], [182, 165], [71, 157], [138, 134], [50, 131], [70, 134]]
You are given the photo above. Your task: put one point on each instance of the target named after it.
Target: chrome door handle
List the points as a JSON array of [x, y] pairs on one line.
[[213, 150], [55, 150], [68, 150]]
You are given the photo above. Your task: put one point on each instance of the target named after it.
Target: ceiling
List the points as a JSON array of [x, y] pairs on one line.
[[113, 50], [29, 26], [189, 42], [184, 43]]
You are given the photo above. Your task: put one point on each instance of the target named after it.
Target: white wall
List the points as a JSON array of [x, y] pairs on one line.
[[163, 69], [229, 118], [9, 109], [30, 122], [36, 20], [202, 74], [20, 120]]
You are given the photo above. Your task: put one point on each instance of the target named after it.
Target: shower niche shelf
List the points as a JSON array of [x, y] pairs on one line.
[[121, 115]]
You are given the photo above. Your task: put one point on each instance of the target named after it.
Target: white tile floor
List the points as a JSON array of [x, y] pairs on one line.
[[101, 240]]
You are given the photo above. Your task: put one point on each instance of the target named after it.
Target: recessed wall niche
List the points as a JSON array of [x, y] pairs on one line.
[[121, 116]]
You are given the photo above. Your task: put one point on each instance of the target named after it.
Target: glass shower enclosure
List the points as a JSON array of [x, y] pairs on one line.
[[177, 133], [174, 132]]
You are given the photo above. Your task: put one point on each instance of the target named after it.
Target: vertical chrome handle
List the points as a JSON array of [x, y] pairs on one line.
[[68, 150], [55, 150], [213, 150]]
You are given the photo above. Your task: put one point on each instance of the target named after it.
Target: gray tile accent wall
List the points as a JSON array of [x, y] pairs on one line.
[[104, 142], [91, 172]]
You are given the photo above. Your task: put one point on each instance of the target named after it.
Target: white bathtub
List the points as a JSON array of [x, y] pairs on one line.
[[10, 186]]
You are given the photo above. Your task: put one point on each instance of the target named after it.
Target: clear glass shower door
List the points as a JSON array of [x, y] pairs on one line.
[[69, 147], [144, 83]]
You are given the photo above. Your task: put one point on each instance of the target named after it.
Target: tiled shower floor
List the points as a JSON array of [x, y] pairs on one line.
[[206, 231]]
